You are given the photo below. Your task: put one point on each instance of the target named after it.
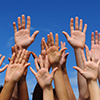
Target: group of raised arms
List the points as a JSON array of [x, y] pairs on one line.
[[15, 86]]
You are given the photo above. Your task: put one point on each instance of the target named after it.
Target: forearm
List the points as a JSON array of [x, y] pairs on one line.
[[22, 89], [60, 85], [48, 93], [15, 93], [82, 84], [7, 91], [68, 85], [93, 90]]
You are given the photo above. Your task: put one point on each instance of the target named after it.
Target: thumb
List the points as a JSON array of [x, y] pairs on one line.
[[34, 35], [66, 55], [53, 72], [66, 35], [63, 49]]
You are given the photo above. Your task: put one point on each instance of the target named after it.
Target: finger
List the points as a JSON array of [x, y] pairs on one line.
[[46, 62], [48, 40], [99, 38], [63, 49], [51, 39], [42, 44], [15, 49], [96, 37], [19, 24], [92, 39], [23, 62], [45, 45], [26, 65], [0, 55], [14, 26], [71, 24], [28, 22], [12, 59], [81, 24], [53, 72], [85, 28], [26, 56], [12, 49], [56, 40], [34, 35], [33, 54], [66, 35], [76, 23], [9, 59], [41, 61], [23, 21], [87, 53], [78, 69], [33, 71], [66, 55], [2, 69], [21, 56], [83, 56], [36, 65], [93, 56], [2, 59], [18, 57]]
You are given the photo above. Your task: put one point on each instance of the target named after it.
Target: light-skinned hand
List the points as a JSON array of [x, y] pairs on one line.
[[22, 35]]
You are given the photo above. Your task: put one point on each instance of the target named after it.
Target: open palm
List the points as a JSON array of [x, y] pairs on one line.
[[77, 38], [22, 37]]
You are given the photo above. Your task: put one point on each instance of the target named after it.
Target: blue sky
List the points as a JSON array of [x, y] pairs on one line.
[[47, 16]]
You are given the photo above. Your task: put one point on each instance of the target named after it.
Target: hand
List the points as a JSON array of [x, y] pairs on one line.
[[77, 39], [63, 57], [15, 50], [22, 37], [54, 55], [95, 45], [91, 68], [43, 77], [1, 61], [17, 66]]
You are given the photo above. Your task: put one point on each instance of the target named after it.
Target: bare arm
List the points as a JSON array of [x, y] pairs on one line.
[[90, 72], [13, 74], [54, 56], [65, 75], [44, 78], [77, 41]]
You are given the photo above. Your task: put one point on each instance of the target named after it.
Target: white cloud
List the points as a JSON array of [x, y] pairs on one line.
[[73, 81], [76, 93], [10, 41]]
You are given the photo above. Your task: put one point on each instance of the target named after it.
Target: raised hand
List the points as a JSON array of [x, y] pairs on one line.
[[17, 66], [43, 77], [54, 55], [90, 71], [95, 45], [22, 36], [1, 61], [77, 39], [63, 56]]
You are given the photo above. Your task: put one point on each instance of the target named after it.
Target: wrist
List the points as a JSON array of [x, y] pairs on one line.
[[10, 82], [55, 65], [23, 79]]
